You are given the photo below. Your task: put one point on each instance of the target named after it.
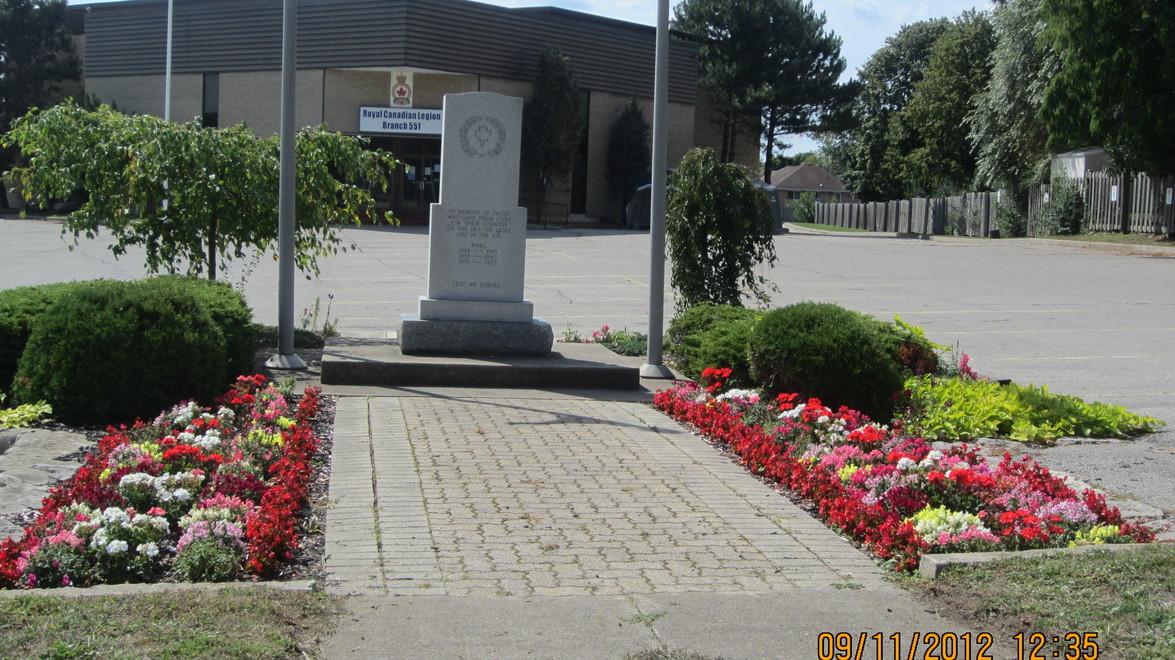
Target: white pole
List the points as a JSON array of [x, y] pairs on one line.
[[286, 358], [653, 368], [167, 68], [167, 92]]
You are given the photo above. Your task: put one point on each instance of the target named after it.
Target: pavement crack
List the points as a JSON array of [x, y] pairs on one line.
[[379, 544]]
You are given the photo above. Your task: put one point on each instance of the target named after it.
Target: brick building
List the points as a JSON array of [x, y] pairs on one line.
[[380, 68]]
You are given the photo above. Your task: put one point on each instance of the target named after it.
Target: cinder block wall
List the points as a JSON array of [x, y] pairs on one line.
[[255, 97], [144, 94], [430, 88], [345, 90]]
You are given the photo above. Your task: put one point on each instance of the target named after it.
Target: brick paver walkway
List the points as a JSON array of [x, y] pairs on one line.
[[447, 496]]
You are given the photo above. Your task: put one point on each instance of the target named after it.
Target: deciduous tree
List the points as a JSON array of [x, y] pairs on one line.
[[1005, 129], [942, 160], [221, 184], [868, 156], [1116, 85]]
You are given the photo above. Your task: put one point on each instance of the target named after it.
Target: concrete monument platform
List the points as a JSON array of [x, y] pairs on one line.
[[347, 361], [477, 240]]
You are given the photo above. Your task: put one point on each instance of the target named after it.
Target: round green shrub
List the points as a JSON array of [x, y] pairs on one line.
[[114, 351], [823, 350], [230, 312], [712, 336], [19, 309]]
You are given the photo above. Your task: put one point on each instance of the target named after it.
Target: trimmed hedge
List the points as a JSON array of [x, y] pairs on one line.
[[712, 336], [19, 309], [111, 351], [826, 351]]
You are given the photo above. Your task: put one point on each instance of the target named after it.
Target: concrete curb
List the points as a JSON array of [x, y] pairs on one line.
[[159, 587], [933, 566]]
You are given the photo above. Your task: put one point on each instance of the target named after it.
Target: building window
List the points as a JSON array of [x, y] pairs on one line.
[[210, 116]]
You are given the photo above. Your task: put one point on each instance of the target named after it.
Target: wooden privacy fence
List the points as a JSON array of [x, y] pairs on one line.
[[1152, 210], [972, 214]]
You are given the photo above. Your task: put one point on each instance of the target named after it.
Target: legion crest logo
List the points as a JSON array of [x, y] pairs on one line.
[[402, 91], [482, 137]]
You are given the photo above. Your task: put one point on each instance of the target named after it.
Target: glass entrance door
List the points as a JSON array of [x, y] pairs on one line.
[[416, 183]]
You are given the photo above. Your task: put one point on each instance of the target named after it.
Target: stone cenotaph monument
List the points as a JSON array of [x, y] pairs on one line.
[[477, 240]]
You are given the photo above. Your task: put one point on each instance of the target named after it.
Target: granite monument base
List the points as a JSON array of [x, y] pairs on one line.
[[445, 337]]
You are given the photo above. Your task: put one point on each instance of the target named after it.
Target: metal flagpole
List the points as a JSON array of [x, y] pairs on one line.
[[653, 368], [167, 66], [286, 358]]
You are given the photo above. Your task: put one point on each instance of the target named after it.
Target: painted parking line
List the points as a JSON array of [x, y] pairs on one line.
[[1011, 311], [1049, 332], [1075, 357]]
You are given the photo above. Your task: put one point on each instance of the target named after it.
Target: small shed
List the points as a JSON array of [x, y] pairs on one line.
[[1074, 164]]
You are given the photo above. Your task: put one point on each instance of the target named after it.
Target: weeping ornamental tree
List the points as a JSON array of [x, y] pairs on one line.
[[719, 228], [221, 185]]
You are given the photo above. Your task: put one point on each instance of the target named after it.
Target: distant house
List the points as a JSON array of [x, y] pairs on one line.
[[795, 180], [1074, 164]]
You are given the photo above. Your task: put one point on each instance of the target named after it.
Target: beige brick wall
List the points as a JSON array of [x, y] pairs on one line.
[[430, 88], [144, 94], [254, 97], [605, 109], [346, 90]]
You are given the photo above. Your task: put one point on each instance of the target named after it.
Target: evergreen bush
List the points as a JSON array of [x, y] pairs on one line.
[[712, 336], [112, 351], [19, 308], [823, 350]]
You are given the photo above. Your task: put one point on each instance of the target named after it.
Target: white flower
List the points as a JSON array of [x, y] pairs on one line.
[[794, 412], [148, 549], [823, 419], [181, 494], [746, 395], [113, 514], [135, 478], [116, 547], [905, 463]]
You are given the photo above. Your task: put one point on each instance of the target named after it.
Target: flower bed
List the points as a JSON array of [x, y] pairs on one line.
[[197, 495], [895, 495]]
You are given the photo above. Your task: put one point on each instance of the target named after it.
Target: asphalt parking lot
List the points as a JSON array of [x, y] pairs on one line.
[[1095, 322]]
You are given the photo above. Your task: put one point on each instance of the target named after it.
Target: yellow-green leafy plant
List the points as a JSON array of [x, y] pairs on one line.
[[964, 409]]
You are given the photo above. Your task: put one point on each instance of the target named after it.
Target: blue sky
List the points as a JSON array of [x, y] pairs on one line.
[[862, 25]]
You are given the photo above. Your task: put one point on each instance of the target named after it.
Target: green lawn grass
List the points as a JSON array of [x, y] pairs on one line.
[[813, 225], [1126, 597], [253, 623]]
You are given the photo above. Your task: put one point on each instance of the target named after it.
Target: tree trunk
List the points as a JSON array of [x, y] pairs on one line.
[[770, 135], [543, 183], [727, 136], [212, 239]]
